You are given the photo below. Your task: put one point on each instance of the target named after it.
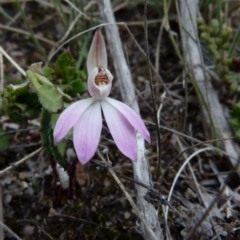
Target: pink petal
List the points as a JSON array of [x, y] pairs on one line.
[[99, 92], [69, 117], [97, 56], [87, 131], [122, 131], [132, 117]]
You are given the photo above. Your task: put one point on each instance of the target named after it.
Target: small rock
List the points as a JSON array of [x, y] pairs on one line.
[[22, 175], [127, 215], [28, 230], [7, 198]]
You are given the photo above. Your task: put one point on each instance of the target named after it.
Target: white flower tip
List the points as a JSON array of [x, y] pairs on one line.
[[97, 56]]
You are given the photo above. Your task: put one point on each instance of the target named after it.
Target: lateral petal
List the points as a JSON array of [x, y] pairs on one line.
[[132, 117], [122, 131], [87, 131], [69, 117], [97, 56]]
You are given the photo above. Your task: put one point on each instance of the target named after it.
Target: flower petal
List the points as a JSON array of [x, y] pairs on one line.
[[87, 131], [97, 56], [99, 92], [122, 131], [133, 118], [69, 117]]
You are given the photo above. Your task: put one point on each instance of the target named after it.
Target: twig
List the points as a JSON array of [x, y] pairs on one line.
[[1, 79], [7, 229], [152, 91], [192, 173], [141, 168], [60, 215], [204, 216], [167, 27], [71, 26], [141, 23], [78, 10], [20, 161], [77, 35], [201, 142], [36, 224], [178, 175], [211, 108], [145, 55], [27, 34], [12, 62], [189, 148], [135, 208]]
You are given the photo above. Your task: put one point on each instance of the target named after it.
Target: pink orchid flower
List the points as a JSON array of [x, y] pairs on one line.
[[85, 116]]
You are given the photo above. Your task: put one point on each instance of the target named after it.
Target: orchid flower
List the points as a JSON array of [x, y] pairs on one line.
[[85, 116]]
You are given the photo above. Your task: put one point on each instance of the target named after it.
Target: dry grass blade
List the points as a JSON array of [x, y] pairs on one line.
[[1, 78], [178, 174], [7, 229], [27, 33], [78, 35], [78, 10], [152, 91], [205, 215], [20, 161], [1, 90], [4, 53]]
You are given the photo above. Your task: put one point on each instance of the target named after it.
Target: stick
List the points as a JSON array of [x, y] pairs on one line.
[[7, 229], [20, 162], [212, 110], [141, 168], [5, 54]]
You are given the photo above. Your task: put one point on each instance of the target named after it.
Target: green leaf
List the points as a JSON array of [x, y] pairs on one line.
[[65, 96], [65, 75], [237, 133], [65, 68], [75, 87], [16, 113], [4, 140], [66, 60], [49, 96], [47, 72], [61, 147], [47, 140], [16, 103], [235, 112], [235, 122]]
